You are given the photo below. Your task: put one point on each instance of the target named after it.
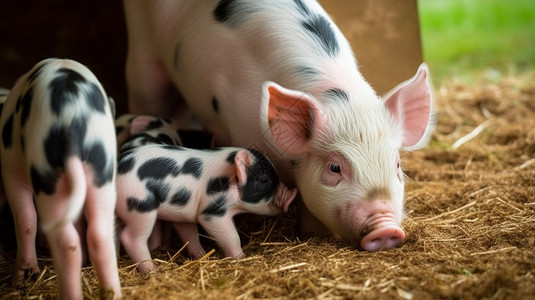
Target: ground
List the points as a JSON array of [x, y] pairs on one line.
[[470, 225]]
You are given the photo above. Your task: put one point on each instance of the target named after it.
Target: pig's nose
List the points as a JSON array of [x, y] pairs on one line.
[[383, 237]]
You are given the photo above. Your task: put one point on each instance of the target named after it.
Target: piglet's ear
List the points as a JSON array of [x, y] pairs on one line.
[[289, 118], [411, 103], [242, 162], [140, 124]]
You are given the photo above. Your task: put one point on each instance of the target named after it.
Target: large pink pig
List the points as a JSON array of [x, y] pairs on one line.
[[279, 76]]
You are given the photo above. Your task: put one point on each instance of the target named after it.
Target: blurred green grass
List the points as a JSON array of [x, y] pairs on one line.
[[463, 39]]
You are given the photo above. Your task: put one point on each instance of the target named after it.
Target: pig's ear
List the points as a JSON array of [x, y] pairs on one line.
[[288, 118], [242, 162], [411, 103], [140, 123]]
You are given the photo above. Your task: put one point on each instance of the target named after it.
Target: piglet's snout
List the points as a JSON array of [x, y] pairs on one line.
[[381, 231], [284, 197]]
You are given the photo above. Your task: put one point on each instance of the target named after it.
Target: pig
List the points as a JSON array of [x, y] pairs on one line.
[[188, 186], [58, 157], [279, 76]]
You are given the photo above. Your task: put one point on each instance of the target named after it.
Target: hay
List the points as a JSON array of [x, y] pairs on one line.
[[470, 226]]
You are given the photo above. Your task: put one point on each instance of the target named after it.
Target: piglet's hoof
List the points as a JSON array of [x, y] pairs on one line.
[[146, 269]]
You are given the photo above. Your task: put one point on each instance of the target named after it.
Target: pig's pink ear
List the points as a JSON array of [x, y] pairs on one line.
[[411, 103], [140, 123], [289, 118], [242, 162]]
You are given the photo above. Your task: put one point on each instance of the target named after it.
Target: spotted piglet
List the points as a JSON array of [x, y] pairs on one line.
[[59, 148], [187, 187]]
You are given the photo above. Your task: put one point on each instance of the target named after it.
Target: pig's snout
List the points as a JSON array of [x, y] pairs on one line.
[[381, 231]]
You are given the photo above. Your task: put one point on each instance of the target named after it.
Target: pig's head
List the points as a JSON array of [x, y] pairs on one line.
[[261, 190], [344, 147]]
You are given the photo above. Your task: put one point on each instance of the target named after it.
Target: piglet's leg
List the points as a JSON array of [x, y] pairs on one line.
[[64, 242], [25, 217], [224, 232], [188, 232], [135, 236], [67, 256], [99, 211]]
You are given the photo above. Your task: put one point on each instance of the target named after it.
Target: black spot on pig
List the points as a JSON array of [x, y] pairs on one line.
[[193, 166], [262, 180], [126, 163], [43, 181], [165, 139], [302, 7], [26, 104], [119, 129], [95, 98], [320, 29], [158, 168], [35, 73], [64, 89], [216, 208], [181, 197], [338, 94], [217, 185], [224, 10], [231, 157], [157, 192], [19, 104], [55, 146], [7, 132], [307, 72], [157, 123], [159, 189], [215, 104], [232, 12], [99, 159]]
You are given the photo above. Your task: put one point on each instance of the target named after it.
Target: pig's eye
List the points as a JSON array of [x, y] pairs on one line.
[[334, 167]]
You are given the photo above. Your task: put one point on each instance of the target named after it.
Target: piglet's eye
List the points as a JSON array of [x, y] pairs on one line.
[[334, 167]]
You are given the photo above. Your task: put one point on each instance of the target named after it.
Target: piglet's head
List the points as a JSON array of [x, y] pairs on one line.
[[345, 146], [261, 190]]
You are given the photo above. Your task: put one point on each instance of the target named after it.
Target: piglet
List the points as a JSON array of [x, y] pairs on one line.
[[58, 156], [187, 187]]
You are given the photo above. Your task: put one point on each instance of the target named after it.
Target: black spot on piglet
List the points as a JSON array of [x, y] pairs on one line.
[[216, 208], [126, 163], [7, 132], [64, 89], [158, 168], [193, 166], [217, 185], [181, 197], [215, 104]]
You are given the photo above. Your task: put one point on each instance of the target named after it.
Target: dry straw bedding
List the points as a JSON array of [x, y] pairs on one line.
[[470, 226]]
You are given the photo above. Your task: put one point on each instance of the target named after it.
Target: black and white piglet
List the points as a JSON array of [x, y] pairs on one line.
[[187, 187], [58, 157]]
